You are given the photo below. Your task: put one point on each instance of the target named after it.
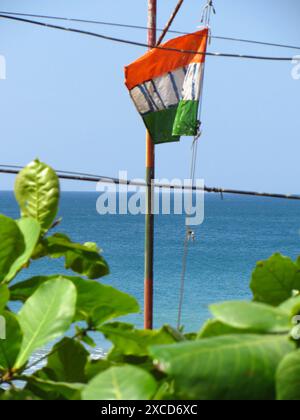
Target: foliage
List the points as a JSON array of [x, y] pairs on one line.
[[248, 350]]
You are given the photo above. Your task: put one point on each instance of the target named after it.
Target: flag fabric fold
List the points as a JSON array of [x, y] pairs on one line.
[[166, 86]]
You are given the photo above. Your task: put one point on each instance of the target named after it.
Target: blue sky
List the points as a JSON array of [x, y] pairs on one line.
[[64, 99]]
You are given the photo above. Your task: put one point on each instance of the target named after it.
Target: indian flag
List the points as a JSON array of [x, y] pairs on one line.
[[166, 86]]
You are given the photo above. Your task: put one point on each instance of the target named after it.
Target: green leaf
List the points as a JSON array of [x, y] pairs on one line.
[[96, 302], [121, 383], [233, 367], [291, 306], [37, 192], [11, 244], [10, 347], [288, 378], [83, 259], [47, 389], [192, 336], [46, 315], [4, 297], [89, 264], [215, 328], [18, 395], [252, 317], [67, 361], [31, 231], [84, 337], [95, 367], [22, 291], [130, 341], [165, 393], [275, 280]]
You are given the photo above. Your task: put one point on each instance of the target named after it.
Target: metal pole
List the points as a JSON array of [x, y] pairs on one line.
[[150, 173]]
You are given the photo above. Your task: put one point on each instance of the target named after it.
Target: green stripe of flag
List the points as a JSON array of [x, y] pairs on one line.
[[186, 120], [170, 124], [160, 125]]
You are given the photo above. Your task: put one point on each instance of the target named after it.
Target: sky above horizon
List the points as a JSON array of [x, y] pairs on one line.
[[64, 98]]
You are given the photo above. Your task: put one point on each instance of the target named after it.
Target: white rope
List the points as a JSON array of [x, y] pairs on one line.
[[189, 233], [208, 9]]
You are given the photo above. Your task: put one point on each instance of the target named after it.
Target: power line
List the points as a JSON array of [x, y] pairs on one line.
[[144, 45], [84, 177], [140, 27]]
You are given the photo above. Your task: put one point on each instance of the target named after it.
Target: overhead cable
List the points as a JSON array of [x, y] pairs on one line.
[[84, 177], [144, 45], [141, 27]]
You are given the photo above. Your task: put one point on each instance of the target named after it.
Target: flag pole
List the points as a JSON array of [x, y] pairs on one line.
[[150, 173]]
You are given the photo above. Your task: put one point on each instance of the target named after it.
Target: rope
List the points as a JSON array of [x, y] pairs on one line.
[[170, 21], [182, 281], [144, 45], [189, 234], [207, 11]]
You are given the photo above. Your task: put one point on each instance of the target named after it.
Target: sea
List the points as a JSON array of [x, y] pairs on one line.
[[237, 232]]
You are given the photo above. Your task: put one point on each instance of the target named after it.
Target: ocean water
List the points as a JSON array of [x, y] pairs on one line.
[[237, 232]]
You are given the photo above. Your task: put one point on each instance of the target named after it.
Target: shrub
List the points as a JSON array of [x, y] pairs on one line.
[[249, 350]]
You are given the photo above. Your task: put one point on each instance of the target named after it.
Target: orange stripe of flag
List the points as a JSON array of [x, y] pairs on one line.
[[157, 62]]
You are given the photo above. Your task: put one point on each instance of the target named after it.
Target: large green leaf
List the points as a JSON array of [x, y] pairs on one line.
[[4, 297], [129, 341], [288, 378], [10, 347], [252, 317], [274, 280], [46, 315], [83, 259], [215, 328], [237, 367], [37, 192], [100, 303], [31, 231], [64, 375], [67, 362], [121, 383], [12, 244], [96, 302]]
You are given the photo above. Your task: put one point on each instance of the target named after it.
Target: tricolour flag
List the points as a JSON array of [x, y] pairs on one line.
[[166, 86]]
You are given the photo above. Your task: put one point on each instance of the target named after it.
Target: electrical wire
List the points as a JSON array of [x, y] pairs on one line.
[[144, 45], [146, 28], [84, 177]]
